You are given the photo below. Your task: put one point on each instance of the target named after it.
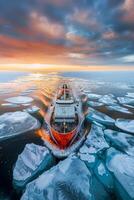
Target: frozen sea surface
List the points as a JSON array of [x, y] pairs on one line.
[[30, 163], [130, 94], [119, 109], [94, 115], [120, 140], [32, 110], [15, 123], [95, 140], [122, 167], [108, 100], [125, 124], [112, 95], [19, 100], [70, 179], [95, 104], [126, 100], [93, 96]]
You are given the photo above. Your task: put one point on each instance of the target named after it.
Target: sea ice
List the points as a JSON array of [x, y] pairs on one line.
[[69, 180], [125, 100], [130, 94], [15, 123], [122, 141], [123, 86], [33, 109], [99, 117], [129, 106], [87, 155], [84, 149], [108, 100], [119, 162], [122, 167], [86, 91], [19, 99], [101, 169], [30, 163], [94, 96], [12, 105], [95, 140], [119, 109], [89, 159], [125, 124], [103, 175], [98, 124], [95, 104]]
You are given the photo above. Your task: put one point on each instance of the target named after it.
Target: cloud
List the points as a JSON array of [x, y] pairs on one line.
[[109, 35], [67, 31], [42, 25], [76, 38], [76, 55], [22, 50], [128, 59], [84, 17], [128, 9]]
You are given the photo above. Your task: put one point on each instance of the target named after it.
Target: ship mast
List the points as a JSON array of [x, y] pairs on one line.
[[64, 93]]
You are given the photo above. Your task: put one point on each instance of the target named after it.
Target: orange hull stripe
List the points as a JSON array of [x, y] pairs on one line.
[[63, 139]]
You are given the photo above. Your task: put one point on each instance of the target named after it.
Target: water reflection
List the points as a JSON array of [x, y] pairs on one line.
[[42, 87]]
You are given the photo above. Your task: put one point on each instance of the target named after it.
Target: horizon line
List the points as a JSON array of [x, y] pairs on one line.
[[61, 67]]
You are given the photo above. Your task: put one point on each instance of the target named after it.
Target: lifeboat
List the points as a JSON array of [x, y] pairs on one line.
[[64, 121]]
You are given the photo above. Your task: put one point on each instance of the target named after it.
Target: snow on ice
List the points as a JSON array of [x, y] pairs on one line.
[[15, 123]]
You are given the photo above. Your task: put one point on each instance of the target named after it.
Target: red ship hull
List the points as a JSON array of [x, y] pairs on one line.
[[62, 139]]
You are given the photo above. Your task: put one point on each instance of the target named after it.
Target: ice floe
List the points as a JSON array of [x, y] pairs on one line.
[[91, 152], [33, 109], [12, 105], [95, 104], [88, 156], [84, 149], [30, 163], [108, 99], [15, 123], [119, 109], [94, 96], [119, 162], [122, 141], [122, 167], [129, 106], [19, 100], [126, 100], [121, 85], [95, 140], [125, 124], [99, 117], [86, 91], [101, 169], [130, 94], [70, 179]]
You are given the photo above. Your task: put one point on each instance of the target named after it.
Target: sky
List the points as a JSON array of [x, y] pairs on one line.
[[84, 33]]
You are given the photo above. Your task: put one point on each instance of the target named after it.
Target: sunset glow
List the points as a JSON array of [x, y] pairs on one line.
[[57, 34]]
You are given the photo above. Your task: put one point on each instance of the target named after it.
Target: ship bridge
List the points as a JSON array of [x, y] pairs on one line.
[[64, 111]]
